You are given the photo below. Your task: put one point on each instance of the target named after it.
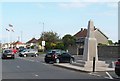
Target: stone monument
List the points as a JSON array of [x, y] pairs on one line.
[[90, 51], [90, 46]]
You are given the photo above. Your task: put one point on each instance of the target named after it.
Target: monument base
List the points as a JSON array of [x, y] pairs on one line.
[[88, 65]]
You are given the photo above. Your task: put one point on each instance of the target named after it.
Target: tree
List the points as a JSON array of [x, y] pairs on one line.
[[110, 42], [68, 40], [59, 45], [51, 38]]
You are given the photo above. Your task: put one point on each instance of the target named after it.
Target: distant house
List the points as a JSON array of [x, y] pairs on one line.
[[32, 42], [18, 44], [100, 36], [80, 39], [5, 45], [0, 44]]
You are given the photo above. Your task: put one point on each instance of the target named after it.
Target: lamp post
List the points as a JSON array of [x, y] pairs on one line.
[[21, 35], [43, 31], [43, 41]]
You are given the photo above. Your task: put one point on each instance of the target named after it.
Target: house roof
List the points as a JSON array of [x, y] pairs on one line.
[[83, 33], [18, 42], [33, 40]]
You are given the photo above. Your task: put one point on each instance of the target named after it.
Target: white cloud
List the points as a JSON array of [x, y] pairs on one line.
[[94, 1], [73, 5], [86, 3], [59, 0], [110, 13], [113, 5], [39, 5]]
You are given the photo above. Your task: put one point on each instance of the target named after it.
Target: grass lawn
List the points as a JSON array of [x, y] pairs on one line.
[[41, 52]]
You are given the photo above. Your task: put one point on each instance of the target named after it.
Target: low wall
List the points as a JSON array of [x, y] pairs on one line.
[[108, 51], [103, 51]]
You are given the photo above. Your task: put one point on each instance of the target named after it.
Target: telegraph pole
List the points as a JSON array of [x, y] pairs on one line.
[[43, 31], [21, 35], [43, 41]]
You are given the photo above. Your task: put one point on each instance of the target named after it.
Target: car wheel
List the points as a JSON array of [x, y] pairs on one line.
[[71, 60], [57, 61], [46, 61], [117, 71], [2, 57], [36, 55], [25, 55]]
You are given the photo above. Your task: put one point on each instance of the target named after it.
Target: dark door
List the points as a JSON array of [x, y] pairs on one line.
[[65, 57]]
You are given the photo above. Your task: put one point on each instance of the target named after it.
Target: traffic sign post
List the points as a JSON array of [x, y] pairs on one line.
[[43, 44]]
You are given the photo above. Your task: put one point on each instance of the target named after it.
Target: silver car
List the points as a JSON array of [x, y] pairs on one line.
[[29, 52]]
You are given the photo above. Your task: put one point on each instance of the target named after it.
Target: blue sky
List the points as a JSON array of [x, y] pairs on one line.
[[61, 17]]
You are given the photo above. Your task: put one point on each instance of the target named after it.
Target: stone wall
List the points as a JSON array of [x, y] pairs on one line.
[[103, 51], [72, 49], [108, 51]]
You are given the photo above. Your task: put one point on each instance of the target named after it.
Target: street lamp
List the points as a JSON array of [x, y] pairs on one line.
[[43, 31], [43, 41]]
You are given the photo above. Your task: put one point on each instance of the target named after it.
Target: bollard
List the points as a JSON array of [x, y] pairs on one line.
[[93, 64]]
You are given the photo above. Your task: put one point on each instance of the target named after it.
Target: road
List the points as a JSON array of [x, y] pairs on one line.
[[35, 68]]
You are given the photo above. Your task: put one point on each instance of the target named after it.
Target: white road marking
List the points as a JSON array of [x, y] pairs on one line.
[[93, 74], [106, 77], [26, 59], [109, 75], [36, 75], [37, 61], [18, 66]]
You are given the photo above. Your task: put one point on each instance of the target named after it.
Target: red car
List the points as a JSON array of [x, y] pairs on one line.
[[14, 51], [117, 67]]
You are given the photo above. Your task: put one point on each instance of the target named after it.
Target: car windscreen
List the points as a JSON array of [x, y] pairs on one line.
[[24, 50], [8, 51], [50, 53]]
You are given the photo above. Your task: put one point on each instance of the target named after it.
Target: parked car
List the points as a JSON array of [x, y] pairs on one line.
[[28, 52], [20, 49], [117, 67], [7, 53], [14, 51], [57, 56]]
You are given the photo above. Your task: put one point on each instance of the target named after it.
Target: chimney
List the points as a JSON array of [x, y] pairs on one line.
[[81, 29]]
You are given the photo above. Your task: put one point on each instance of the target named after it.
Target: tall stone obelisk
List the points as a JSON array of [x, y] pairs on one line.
[[90, 46], [90, 51]]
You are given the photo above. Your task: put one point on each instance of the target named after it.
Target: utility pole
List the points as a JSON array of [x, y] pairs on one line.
[[18, 38], [43, 31], [21, 35], [43, 42]]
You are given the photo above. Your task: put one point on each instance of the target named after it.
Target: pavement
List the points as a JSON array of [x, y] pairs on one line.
[[78, 68]]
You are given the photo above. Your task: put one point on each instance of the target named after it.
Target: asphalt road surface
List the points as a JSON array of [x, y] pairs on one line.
[[36, 68]]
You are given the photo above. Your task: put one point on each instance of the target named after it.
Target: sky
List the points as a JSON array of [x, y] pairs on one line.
[[62, 17]]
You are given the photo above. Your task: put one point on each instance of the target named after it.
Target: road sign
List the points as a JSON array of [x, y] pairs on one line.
[[43, 43]]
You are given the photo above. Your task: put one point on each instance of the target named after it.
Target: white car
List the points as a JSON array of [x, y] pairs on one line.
[[29, 52]]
